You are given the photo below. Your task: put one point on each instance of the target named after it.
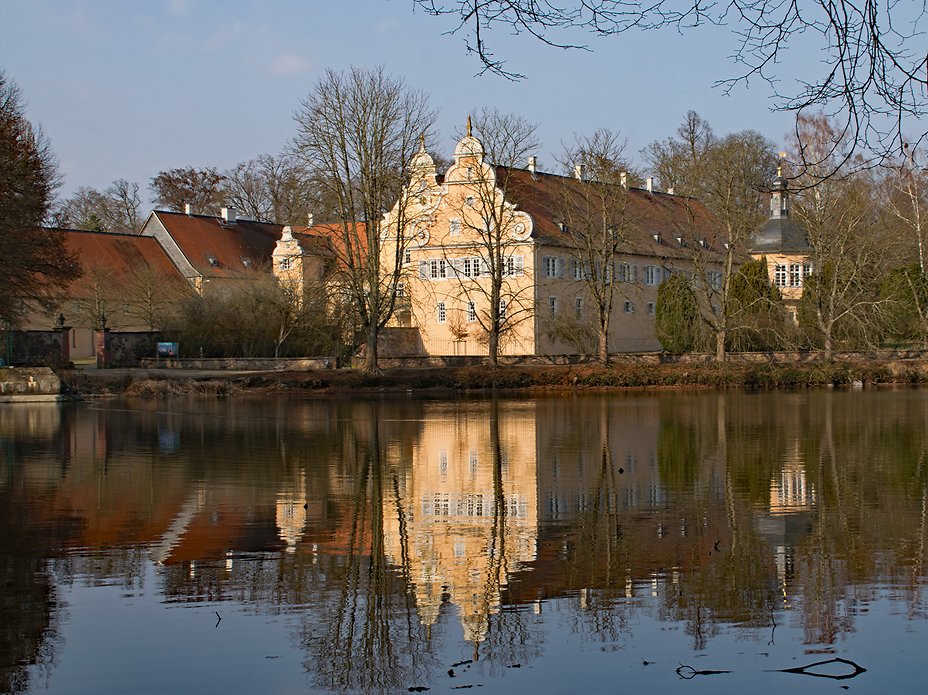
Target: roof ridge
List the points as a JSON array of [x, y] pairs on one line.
[[131, 235], [569, 177]]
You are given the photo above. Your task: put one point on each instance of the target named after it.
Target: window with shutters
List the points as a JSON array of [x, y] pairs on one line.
[[551, 266], [625, 272], [513, 265]]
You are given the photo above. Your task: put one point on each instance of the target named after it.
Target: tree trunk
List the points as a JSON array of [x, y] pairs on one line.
[[370, 356], [604, 344], [493, 348], [720, 345]]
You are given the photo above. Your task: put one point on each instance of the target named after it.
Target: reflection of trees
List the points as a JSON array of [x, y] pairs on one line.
[[368, 639], [715, 462], [870, 524], [601, 569], [29, 612], [700, 550], [29, 609], [507, 638]]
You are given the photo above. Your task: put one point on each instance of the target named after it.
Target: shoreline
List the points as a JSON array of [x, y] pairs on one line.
[[168, 383]]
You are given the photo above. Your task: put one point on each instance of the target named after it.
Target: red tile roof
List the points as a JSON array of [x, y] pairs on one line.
[[333, 235], [541, 195], [216, 248], [119, 255]]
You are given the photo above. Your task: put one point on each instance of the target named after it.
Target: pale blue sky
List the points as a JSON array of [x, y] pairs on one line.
[[127, 89]]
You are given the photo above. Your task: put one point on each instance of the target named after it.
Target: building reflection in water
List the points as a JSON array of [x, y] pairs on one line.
[[469, 500], [397, 521]]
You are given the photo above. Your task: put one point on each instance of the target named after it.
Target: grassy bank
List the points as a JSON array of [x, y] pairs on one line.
[[165, 384]]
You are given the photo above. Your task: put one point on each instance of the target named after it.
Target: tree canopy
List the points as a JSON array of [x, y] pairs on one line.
[[32, 259]]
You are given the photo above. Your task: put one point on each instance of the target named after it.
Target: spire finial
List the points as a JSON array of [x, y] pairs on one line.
[[780, 164], [468, 126], [422, 140]]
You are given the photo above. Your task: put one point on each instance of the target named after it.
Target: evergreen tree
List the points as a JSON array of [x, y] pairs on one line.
[[32, 259], [677, 316]]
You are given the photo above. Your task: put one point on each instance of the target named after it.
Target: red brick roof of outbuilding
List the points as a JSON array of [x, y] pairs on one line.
[[541, 196], [119, 255], [334, 234], [216, 248]]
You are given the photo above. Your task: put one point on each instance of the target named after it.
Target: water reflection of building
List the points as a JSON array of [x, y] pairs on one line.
[[467, 510], [791, 492], [792, 498], [291, 511]]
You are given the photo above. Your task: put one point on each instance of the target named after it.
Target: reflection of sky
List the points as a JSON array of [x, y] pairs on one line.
[[220, 510], [121, 641]]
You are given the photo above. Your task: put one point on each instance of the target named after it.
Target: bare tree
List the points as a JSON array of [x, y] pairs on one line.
[[96, 299], [905, 196], [357, 131], [200, 188], [873, 77], [596, 217], [127, 204], [115, 209], [152, 299], [486, 157], [32, 259], [849, 258], [729, 175], [679, 161], [277, 189]]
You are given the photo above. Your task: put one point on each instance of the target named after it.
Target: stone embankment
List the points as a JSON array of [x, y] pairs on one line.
[[29, 384]]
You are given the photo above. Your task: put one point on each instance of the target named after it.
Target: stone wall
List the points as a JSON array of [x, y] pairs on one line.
[[29, 384], [35, 348], [128, 349], [396, 341]]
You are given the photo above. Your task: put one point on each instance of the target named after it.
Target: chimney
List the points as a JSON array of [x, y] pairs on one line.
[[228, 215], [578, 171], [623, 179], [532, 163], [188, 209], [649, 182], [310, 221]]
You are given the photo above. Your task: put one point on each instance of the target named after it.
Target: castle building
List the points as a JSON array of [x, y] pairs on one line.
[[480, 222], [785, 247]]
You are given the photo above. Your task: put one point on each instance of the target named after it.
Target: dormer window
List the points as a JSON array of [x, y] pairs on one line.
[[681, 241], [246, 262], [657, 238], [212, 260]]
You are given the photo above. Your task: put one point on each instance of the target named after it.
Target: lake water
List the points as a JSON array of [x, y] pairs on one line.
[[687, 542]]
